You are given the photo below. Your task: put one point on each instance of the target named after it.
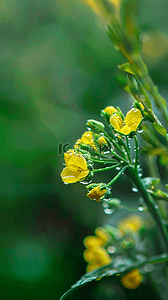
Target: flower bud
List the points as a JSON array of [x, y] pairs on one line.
[[95, 126]]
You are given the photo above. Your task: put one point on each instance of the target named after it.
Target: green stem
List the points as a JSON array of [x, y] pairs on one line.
[[130, 208], [107, 168], [128, 150], [114, 142], [101, 161], [133, 175], [136, 152], [117, 176]]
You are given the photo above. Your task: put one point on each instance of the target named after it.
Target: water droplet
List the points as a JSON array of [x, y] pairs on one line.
[[156, 206], [140, 257], [108, 211], [111, 249], [140, 130], [118, 168], [141, 200], [134, 189], [140, 208], [105, 205], [148, 268], [140, 172]]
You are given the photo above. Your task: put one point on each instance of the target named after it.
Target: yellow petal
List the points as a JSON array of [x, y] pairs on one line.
[[96, 193], [102, 141], [110, 110], [89, 256], [132, 280], [77, 160], [67, 155], [100, 232], [116, 121], [92, 267], [91, 241], [68, 176], [125, 130], [133, 119], [82, 175]]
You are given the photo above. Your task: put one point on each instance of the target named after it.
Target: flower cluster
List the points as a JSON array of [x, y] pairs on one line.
[[97, 145], [132, 280], [111, 244], [96, 255]]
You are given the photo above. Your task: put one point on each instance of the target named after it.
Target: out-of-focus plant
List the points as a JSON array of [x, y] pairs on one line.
[[122, 250]]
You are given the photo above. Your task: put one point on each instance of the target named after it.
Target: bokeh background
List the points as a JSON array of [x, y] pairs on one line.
[[57, 69]]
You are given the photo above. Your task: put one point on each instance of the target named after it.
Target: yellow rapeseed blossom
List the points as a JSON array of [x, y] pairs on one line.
[[76, 167], [132, 223], [97, 257], [132, 120], [86, 139], [110, 110], [92, 241], [102, 141], [96, 193], [101, 233], [132, 279]]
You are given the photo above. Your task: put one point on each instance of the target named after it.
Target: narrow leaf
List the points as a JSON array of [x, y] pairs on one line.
[[118, 266], [159, 128]]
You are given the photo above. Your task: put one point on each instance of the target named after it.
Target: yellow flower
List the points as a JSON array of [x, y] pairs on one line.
[[96, 193], [97, 257], [133, 223], [101, 233], [132, 280], [110, 110], [132, 120], [76, 167], [86, 139], [92, 241], [102, 141]]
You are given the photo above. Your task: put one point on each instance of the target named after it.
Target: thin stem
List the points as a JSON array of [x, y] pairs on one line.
[[133, 175], [117, 176], [130, 208], [136, 152], [119, 157], [107, 168], [114, 142], [103, 161]]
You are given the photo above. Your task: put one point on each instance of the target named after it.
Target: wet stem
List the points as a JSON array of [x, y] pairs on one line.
[[132, 173]]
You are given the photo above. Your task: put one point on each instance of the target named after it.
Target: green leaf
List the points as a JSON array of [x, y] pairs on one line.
[[166, 186], [128, 68], [159, 128], [118, 266]]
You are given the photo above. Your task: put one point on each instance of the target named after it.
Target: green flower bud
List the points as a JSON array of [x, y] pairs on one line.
[[95, 126]]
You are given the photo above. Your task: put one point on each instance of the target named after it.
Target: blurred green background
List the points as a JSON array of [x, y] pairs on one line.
[[57, 69]]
